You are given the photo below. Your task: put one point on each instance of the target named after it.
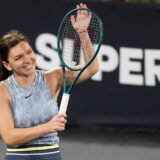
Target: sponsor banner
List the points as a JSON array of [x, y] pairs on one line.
[[125, 91]]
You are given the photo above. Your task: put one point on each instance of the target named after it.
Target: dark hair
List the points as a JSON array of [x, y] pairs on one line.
[[7, 41]]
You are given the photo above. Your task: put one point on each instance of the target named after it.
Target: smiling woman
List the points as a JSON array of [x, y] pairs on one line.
[[21, 61], [28, 111], [8, 41], [29, 118]]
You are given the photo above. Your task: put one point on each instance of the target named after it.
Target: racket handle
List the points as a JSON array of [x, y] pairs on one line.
[[64, 103]]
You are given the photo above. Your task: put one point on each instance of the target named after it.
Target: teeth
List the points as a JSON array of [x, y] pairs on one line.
[[28, 67]]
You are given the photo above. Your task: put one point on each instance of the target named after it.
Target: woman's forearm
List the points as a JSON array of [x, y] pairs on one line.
[[18, 136], [88, 52], [15, 136]]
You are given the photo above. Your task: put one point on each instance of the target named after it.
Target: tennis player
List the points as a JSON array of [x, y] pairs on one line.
[[29, 118]]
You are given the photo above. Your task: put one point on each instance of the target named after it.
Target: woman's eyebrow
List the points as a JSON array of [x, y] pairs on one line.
[[22, 53]]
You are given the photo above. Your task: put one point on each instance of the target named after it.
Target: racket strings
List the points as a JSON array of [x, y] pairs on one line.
[[94, 28], [70, 43]]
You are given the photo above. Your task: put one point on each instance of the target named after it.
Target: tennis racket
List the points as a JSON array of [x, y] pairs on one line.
[[70, 46]]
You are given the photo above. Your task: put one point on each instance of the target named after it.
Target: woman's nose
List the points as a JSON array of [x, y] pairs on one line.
[[27, 58]]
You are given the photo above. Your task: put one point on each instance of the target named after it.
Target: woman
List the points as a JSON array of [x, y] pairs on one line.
[[29, 118]]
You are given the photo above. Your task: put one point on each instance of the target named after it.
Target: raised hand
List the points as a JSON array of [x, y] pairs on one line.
[[81, 21]]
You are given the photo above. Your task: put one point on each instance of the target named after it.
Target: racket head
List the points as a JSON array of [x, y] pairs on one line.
[[68, 41]]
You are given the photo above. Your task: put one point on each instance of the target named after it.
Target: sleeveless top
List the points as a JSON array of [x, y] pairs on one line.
[[32, 106]]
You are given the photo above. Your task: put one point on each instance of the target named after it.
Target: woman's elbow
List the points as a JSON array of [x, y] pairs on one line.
[[95, 70], [9, 140]]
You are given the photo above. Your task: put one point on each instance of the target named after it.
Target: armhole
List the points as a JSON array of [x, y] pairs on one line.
[[55, 97]]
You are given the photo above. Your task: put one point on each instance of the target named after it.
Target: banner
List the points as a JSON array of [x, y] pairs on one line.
[[125, 92]]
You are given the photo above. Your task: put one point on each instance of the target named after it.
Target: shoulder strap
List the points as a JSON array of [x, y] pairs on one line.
[[41, 75]]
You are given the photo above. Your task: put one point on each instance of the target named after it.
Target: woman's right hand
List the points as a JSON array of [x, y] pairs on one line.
[[57, 123]]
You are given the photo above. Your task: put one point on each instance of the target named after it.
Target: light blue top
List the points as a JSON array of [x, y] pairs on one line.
[[33, 105]]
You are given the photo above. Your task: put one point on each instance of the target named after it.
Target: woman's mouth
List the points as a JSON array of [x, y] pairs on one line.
[[28, 67]]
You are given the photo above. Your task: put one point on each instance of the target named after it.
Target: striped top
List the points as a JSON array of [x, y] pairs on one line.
[[32, 106]]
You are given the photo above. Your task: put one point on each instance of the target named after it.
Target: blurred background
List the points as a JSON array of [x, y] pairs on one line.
[[116, 114]]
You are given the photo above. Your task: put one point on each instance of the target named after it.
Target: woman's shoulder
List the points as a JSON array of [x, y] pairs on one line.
[[54, 73], [4, 92]]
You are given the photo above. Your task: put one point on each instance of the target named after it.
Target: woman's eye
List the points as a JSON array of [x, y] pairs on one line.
[[18, 58]]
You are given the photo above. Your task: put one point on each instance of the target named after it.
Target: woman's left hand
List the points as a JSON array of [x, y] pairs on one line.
[[81, 22]]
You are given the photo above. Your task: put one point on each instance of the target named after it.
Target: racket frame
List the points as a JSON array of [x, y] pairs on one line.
[[66, 93]]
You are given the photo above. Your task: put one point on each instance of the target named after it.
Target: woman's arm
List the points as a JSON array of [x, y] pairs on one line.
[[14, 136], [88, 52], [80, 23], [55, 77]]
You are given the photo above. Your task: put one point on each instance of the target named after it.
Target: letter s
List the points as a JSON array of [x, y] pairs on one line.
[[42, 44]]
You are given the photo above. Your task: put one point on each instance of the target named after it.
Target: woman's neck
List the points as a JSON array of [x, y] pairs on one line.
[[25, 81]]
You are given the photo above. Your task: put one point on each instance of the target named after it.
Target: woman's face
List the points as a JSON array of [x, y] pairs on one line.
[[21, 60]]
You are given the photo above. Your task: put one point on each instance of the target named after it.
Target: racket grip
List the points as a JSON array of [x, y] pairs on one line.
[[64, 103]]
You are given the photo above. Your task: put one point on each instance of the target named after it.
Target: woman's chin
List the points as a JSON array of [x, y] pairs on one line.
[[28, 72]]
